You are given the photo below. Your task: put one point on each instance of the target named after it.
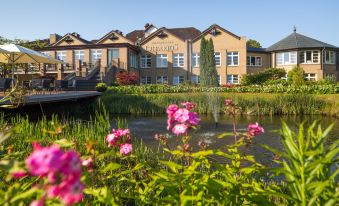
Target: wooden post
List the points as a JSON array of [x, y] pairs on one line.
[[78, 66], [60, 71]]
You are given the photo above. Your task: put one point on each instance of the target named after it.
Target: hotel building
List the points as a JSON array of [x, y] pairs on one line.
[[171, 55]]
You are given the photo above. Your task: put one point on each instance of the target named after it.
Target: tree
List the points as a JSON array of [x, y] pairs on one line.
[[212, 70], [253, 43], [296, 76], [37, 44], [203, 62], [208, 71]]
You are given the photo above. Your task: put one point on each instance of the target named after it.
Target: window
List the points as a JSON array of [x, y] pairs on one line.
[[178, 60], [233, 58], [162, 60], [195, 59], [146, 80], [162, 80], [96, 54], [61, 55], [217, 58], [195, 79], [233, 79], [331, 77], [309, 57], [133, 62], [253, 61], [329, 57], [114, 53], [178, 80], [46, 53], [145, 61], [286, 58], [79, 55], [310, 77]]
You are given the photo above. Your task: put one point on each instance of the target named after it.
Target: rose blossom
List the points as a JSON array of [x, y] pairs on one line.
[[255, 129], [179, 129], [125, 149]]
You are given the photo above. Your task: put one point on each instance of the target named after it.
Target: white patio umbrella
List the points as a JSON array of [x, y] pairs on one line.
[[19, 54]]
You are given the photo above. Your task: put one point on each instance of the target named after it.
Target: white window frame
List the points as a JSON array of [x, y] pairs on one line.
[[308, 77], [145, 61], [46, 53], [217, 55], [195, 59], [79, 55], [331, 57], [282, 55], [161, 61], [178, 80], [255, 61], [146, 80], [178, 60], [95, 54], [232, 79], [303, 57], [231, 56], [62, 56], [162, 79]]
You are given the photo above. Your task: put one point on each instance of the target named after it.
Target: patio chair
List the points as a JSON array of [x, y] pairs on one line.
[[5, 84], [46, 85]]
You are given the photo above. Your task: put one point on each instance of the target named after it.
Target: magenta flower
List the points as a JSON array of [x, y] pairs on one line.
[[19, 174], [72, 163], [180, 129], [71, 191], [125, 149], [181, 115], [38, 202], [44, 160], [255, 129], [228, 102], [87, 162], [193, 118], [188, 105], [171, 109]]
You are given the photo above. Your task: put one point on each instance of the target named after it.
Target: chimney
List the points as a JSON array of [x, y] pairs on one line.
[[146, 25], [53, 38]]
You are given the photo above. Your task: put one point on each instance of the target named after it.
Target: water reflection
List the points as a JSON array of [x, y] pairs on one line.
[[146, 127]]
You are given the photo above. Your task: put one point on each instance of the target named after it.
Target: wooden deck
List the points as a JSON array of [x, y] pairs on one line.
[[56, 97]]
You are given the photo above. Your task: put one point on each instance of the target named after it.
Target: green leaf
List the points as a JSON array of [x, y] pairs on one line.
[[64, 143]]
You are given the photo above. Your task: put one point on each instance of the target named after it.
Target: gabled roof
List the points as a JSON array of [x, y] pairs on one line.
[[74, 35], [115, 32], [213, 26], [298, 41], [182, 33]]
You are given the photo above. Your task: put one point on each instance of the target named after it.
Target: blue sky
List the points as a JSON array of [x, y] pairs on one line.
[[264, 20]]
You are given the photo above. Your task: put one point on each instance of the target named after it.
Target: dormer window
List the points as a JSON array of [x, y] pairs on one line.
[[162, 35], [113, 37], [214, 32], [68, 40]]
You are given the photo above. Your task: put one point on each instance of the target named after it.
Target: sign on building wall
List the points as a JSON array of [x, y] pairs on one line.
[[161, 46]]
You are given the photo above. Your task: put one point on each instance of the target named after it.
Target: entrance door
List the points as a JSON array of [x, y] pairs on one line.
[[112, 56]]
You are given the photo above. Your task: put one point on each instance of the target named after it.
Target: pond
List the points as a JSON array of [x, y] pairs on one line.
[[146, 127]]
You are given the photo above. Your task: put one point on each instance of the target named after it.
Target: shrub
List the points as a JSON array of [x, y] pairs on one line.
[[127, 78], [296, 76], [101, 87], [263, 76]]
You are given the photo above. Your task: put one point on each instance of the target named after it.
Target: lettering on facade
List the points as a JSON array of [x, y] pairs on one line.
[[162, 46]]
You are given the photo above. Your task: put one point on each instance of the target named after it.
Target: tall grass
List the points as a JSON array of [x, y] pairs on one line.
[[252, 104]]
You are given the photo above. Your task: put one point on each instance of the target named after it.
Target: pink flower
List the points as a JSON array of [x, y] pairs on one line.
[[125, 149], [171, 109], [120, 132], [228, 102], [170, 121], [87, 162], [181, 115], [53, 191], [255, 129], [188, 105], [38, 202], [72, 163], [111, 139], [19, 174], [71, 191], [179, 129], [44, 160], [193, 118]]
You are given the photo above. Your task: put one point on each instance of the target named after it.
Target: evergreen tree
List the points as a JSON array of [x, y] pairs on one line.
[[203, 62], [212, 70]]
